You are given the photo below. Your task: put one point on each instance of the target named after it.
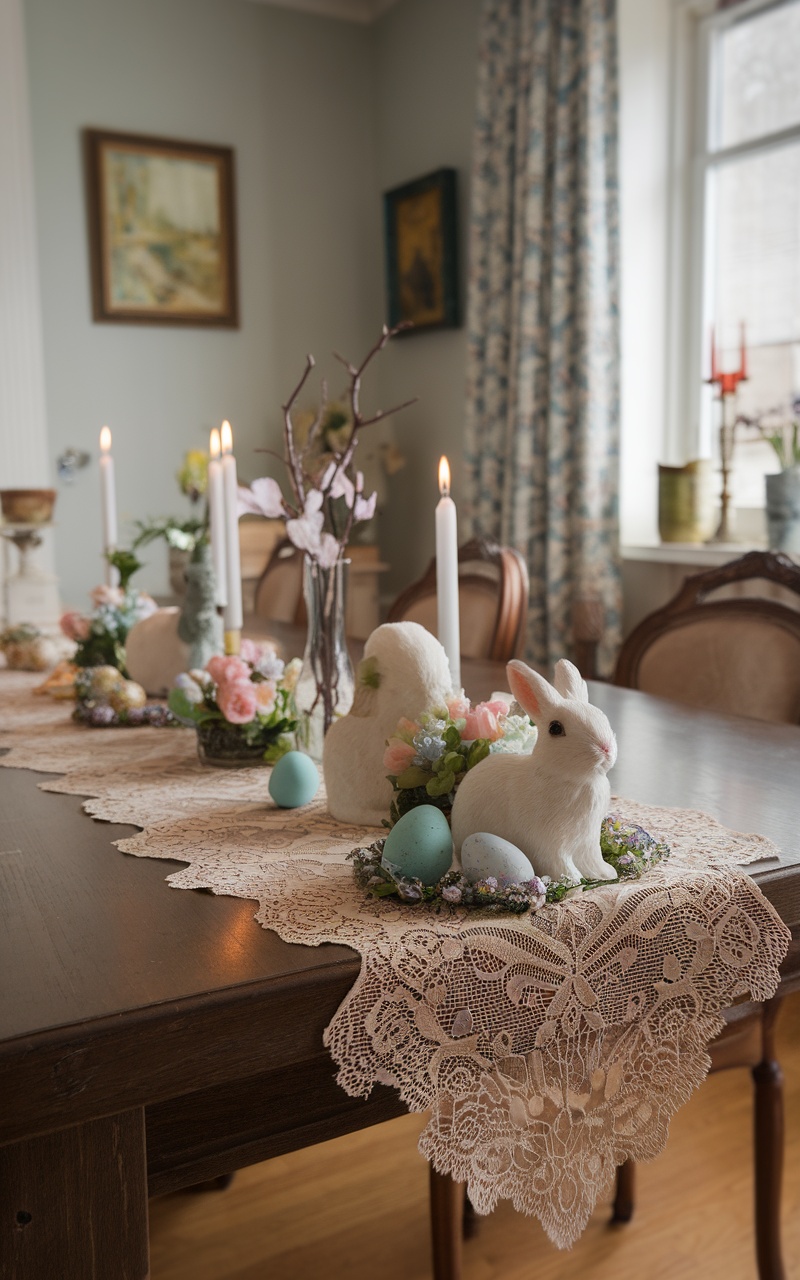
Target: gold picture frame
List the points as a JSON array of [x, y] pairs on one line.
[[421, 255], [161, 230]]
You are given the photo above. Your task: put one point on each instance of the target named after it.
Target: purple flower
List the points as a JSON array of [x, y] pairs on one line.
[[102, 716], [451, 893]]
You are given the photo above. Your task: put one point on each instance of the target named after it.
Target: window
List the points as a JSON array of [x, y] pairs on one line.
[[745, 221]]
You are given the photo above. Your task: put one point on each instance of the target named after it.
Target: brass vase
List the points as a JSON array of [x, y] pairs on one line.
[[685, 511]]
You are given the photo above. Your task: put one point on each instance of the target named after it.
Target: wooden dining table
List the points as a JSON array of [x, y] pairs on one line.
[[151, 1040]]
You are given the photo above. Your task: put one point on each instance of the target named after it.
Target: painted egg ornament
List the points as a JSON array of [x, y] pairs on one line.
[[419, 845], [294, 780], [484, 855]]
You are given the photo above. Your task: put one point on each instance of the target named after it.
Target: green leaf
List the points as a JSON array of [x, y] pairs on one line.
[[181, 707], [452, 737], [441, 785], [413, 776], [477, 752]]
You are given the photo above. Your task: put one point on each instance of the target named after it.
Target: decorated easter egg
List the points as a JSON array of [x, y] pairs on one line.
[[484, 855], [294, 780], [420, 845], [103, 681], [127, 696]]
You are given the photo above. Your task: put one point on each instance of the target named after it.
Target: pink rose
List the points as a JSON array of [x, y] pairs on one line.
[[236, 700], [458, 708], [222, 668], [397, 756], [265, 696], [74, 625], [482, 723], [406, 729]]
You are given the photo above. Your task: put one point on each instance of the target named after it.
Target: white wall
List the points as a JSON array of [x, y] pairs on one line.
[[292, 93], [644, 41]]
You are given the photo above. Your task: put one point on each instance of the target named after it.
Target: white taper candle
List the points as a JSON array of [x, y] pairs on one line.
[[108, 503], [233, 606], [448, 624], [216, 520]]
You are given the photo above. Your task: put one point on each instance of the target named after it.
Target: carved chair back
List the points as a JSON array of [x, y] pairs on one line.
[[493, 600], [739, 654]]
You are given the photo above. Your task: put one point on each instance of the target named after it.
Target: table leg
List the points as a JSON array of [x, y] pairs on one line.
[[74, 1203], [447, 1219]]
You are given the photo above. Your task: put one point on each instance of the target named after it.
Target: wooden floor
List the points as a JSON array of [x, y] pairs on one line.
[[356, 1208]]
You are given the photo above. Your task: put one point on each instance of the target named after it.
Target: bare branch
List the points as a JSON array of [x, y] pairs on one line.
[[293, 462]]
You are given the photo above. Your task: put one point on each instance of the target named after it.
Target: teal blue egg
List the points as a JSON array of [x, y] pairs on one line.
[[420, 845], [294, 780]]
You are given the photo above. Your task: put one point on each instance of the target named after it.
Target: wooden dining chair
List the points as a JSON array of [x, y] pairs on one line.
[[493, 600], [278, 595], [738, 654]]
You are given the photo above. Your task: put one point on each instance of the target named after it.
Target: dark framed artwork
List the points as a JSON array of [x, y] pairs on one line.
[[421, 263], [162, 234]]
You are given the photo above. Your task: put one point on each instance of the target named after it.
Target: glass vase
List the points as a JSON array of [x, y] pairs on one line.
[[325, 687]]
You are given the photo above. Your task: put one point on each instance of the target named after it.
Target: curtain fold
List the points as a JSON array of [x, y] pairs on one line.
[[542, 427]]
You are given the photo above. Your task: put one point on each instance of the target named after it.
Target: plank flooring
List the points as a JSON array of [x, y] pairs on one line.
[[356, 1208]]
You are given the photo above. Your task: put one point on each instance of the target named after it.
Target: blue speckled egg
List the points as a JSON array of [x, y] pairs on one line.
[[420, 845], [294, 780], [484, 854]]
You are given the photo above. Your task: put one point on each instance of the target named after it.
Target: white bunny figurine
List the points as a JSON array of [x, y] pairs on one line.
[[550, 804]]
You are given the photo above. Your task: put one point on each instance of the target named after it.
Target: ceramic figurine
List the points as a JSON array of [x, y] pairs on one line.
[[550, 804], [198, 625], [173, 640], [404, 671]]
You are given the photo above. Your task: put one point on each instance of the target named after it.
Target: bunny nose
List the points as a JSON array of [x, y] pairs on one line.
[[606, 747]]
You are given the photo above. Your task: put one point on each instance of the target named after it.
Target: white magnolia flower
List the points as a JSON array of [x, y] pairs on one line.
[[263, 498]]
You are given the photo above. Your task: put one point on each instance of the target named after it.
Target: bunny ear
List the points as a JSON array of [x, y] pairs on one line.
[[569, 682], [531, 690]]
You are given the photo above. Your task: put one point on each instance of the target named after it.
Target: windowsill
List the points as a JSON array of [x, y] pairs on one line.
[[692, 553]]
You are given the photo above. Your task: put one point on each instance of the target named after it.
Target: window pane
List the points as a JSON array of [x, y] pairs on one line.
[[758, 70], [754, 242], [754, 204]]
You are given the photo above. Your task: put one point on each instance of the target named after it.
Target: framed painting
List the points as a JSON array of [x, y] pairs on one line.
[[421, 263], [161, 230]]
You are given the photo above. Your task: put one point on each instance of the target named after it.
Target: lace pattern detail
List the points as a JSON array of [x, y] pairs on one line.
[[547, 1049]]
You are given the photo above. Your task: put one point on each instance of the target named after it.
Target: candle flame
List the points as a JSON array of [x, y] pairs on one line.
[[214, 445], [444, 476], [226, 437], [105, 440]]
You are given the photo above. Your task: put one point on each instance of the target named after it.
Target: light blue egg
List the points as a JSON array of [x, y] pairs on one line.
[[294, 780], [484, 854], [420, 845]]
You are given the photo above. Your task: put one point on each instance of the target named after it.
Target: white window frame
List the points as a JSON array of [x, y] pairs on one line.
[[696, 24]]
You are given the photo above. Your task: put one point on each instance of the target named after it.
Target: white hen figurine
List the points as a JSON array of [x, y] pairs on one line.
[[404, 671]]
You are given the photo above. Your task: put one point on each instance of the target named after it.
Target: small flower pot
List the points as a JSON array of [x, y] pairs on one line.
[[223, 746]]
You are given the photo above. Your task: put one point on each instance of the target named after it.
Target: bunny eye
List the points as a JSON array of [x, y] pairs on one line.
[[556, 729]]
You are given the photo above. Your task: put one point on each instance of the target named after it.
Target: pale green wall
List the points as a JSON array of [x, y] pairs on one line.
[[293, 93], [426, 73]]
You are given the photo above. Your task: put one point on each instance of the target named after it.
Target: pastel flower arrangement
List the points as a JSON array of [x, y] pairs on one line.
[[242, 706], [426, 759], [100, 636], [628, 848]]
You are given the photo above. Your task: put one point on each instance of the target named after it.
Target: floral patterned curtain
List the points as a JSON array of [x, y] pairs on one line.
[[543, 355]]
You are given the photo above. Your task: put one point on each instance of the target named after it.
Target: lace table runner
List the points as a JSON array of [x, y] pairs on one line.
[[546, 1048]]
